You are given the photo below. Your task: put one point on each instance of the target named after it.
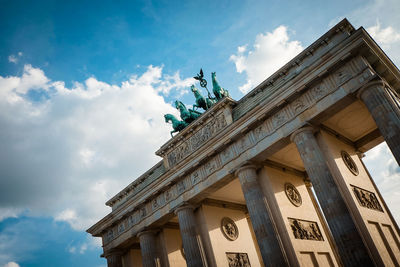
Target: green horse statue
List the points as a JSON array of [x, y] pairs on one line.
[[218, 91], [177, 125], [187, 115], [201, 101]]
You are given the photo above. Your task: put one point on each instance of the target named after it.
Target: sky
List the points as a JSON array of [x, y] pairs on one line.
[[84, 86]]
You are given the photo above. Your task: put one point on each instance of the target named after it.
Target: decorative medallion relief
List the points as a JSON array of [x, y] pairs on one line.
[[293, 194], [367, 199], [229, 229], [307, 230], [350, 164], [237, 259]]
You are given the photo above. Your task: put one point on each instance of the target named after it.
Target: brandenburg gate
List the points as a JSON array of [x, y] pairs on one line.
[[276, 178]]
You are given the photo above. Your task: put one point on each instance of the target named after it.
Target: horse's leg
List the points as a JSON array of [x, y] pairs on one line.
[[172, 133]]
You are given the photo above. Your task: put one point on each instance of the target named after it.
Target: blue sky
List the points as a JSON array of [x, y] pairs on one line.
[[84, 86]]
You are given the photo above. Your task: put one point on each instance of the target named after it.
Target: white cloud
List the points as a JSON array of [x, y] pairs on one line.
[[381, 19], [386, 174], [269, 52], [12, 59], [9, 213], [11, 264], [83, 248], [67, 154], [72, 250], [384, 36]]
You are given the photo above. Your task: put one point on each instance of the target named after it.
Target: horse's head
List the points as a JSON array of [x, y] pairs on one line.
[[167, 117], [193, 88], [213, 75], [179, 104]]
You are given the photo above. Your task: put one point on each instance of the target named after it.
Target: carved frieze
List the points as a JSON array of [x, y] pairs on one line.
[[293, 194], [187, 147], [237, 259], [280, 118], [307, 230], [229, 229], [181, 186], [350, 164], [227, 154], [195, 177], [342, 75], [211, 166], [121, 228], [367, 199]]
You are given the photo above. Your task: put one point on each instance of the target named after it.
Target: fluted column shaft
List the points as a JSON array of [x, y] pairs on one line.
[[385, 113], [190, 237], [260, 218], [114, 259], [350, 246], [148, 248]]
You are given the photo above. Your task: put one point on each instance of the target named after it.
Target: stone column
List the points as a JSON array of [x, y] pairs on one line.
[[264, 231], [385, 113], [349, 242], [114, 259], [148, 248], [192, 246]]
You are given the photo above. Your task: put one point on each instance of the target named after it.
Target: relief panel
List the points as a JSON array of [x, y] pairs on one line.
[[307, 230], [366, 198], [237, 259]]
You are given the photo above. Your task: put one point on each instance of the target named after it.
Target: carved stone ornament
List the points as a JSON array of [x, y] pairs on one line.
[[307, 230], [351, 165], [237, 259], [367, 199], [229, 229], [293, 195]]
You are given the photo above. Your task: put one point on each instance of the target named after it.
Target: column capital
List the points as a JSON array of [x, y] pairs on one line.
[[245, 167], [184, 206], [371, 84], [307, 182], [114, 257], [147, 231], [113, 252], [308, 128]]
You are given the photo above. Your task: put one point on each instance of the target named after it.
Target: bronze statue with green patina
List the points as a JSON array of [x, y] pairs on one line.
[[218, 91], [187, 115], [201, 101], [177, 125]]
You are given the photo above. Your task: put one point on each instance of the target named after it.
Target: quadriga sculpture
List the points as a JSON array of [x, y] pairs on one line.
[[187, 115], [177, 125], [201, 101], [218, 91]]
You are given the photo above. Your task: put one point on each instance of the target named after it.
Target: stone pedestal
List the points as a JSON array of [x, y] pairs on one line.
[[385, 113], [192, 246], [114, 259], [350, 245], [262, 225], [148, 248]]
